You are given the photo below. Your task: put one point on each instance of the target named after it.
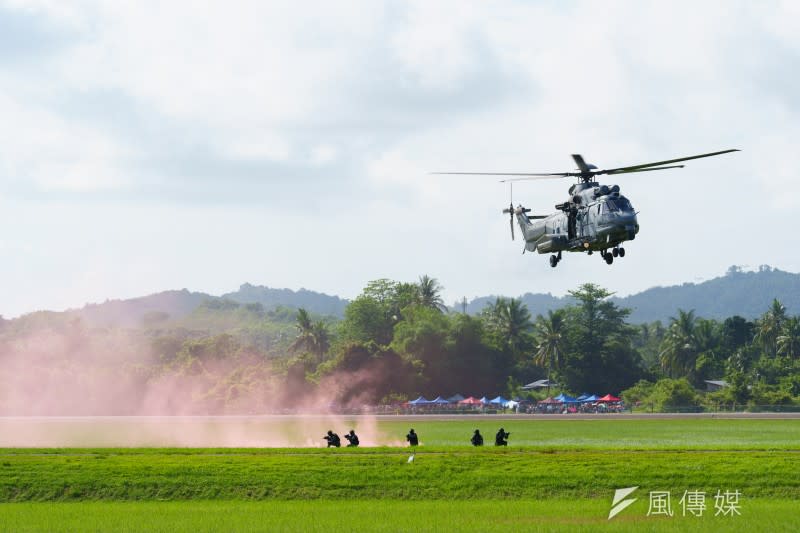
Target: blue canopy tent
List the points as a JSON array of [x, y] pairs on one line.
[[455, 399], [484, 400], [499, 400], [583, 396], [420, 401], [563, 398], [588, 399], [439, 401]]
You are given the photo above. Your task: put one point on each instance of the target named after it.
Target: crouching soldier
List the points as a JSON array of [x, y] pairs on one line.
[[501, 438], [333, 439], [477, 439], [352, 438]]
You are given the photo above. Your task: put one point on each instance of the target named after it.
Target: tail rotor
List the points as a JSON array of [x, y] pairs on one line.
[[510, 209], [510, 212]]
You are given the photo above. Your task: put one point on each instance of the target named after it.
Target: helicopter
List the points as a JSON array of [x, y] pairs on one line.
[[595, 218]]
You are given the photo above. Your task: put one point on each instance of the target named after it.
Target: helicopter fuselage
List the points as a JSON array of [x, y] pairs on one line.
[[596, 217]]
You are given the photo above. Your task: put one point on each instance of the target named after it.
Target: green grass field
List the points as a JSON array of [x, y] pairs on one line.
[[580, 516], [620, 434], [436, 472], [557, 475], [307, 431]]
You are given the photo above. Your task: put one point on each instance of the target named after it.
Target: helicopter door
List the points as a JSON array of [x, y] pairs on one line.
[[572, 222], [587, 223]]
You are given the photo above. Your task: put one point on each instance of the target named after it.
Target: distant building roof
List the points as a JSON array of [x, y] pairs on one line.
[[716, 382], [539, 384]]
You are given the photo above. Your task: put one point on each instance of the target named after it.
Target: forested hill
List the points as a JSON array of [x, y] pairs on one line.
[[536, 303], [315, 302], [748, 294], [135, 312]]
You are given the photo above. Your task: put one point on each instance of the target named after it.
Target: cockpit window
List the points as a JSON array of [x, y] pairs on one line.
[[623, 204]]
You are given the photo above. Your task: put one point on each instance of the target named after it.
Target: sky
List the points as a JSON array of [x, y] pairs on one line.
[[148, 146]]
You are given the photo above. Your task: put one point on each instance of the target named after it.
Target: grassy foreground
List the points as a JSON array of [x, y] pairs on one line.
[[618, 434], [307, 431], [435, 473], [558, 475], [575, 516]]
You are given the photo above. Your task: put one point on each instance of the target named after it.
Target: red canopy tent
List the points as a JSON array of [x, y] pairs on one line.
[[470, 401], [549, 399], [609, 398]]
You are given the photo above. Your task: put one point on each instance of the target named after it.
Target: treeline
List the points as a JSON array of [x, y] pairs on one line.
[[400, 335], [397, 340]]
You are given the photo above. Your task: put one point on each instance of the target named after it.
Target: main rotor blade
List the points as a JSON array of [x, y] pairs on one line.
[[646, 165], [582, 166], [556, 174], [624, 171], [536, 176]]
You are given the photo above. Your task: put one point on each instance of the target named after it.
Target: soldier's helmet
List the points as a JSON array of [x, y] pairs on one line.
[[330, 432]]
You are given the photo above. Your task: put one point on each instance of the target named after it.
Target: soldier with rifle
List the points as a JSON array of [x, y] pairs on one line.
[[501, 439], [333, 439], [412, 438], [352, 438], [477, 438]]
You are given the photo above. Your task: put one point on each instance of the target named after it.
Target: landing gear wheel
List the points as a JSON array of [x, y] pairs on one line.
[[615, 251], [553, 261], [622, 252], [609, 258]]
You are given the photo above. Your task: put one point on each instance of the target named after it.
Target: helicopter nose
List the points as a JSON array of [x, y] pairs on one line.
[[626, 224]]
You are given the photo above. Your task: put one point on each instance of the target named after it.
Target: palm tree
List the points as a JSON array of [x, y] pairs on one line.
[[789, 340], [644, 333], [429, 293], [550, 333], [321, 339], [679, 347], [511, 320], [305, 337], [707, 336], [312, 337], [769, 327]]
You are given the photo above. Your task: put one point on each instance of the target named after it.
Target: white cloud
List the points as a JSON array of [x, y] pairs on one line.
[[45, 150], [323, 154], [259, 146], [346, 107]]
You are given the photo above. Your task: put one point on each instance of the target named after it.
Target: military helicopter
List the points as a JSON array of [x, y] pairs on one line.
[[595, 217]]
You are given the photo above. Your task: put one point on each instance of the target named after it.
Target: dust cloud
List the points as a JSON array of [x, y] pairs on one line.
[[71, 387]]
